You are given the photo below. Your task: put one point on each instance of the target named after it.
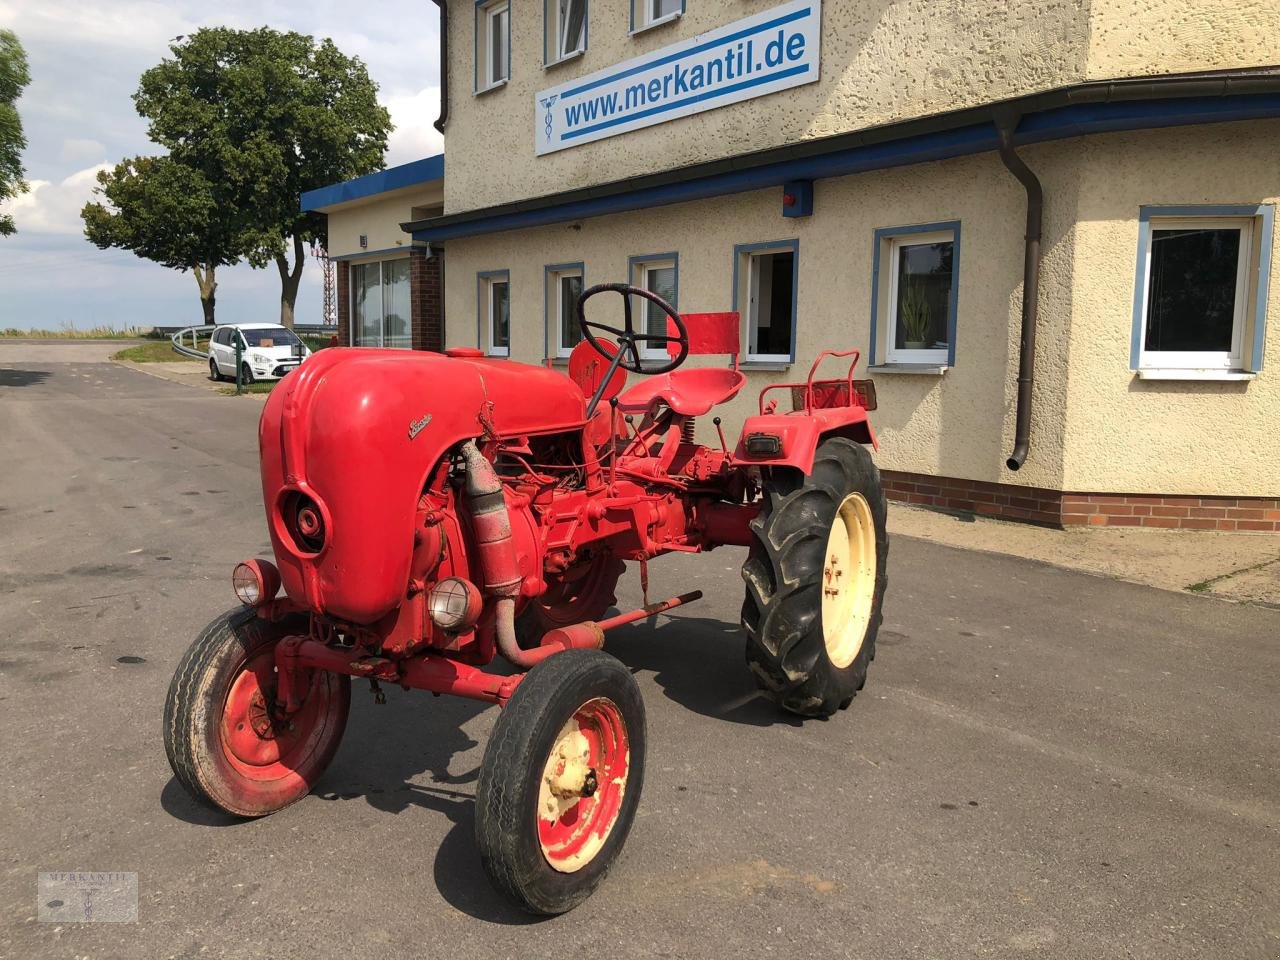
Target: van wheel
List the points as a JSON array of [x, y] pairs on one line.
[[214, 375], [246, 374], [815, 581]]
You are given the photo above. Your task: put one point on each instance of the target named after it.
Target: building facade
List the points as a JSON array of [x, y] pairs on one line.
[[894, 176]]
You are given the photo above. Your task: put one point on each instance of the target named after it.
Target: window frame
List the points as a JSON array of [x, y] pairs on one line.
[[1248, 330], [486, 11], [552, 291], [743, 256], [485, 282], [888, 242], [637, 275], [552, 29], [353, 288], [641, 23]]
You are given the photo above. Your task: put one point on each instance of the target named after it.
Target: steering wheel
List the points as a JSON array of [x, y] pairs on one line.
[[628, 356]]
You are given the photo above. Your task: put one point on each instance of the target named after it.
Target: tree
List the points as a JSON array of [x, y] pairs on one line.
[[13, 77], [268, 115], [167, 212]]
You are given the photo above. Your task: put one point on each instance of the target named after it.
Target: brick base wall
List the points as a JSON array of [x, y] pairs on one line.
[[1056, 508], [426, 298]]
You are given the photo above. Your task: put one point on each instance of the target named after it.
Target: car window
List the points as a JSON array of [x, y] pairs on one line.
[[270, 337], [220, 336]]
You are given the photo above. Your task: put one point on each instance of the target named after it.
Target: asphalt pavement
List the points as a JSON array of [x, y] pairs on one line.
[[1043, 763]]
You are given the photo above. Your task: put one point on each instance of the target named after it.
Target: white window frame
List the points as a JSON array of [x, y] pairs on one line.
[[642, 17], [747, 296], [640, 270], [382, 318], [556, 274], [934, 356], [1217, 360], [489, 281], [487, 16], [556, 25]]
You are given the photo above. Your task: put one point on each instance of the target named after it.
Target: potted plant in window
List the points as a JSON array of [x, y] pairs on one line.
[[913, 314]]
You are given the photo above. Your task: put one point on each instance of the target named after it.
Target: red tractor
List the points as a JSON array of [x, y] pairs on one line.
[[430, 512]]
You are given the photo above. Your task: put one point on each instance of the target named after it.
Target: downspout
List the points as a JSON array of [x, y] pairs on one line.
[[1005, 126], [444, 65]]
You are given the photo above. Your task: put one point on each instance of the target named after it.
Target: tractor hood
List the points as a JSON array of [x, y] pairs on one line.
[[357, 432]]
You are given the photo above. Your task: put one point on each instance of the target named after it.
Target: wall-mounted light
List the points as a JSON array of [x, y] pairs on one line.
[[364, 241]]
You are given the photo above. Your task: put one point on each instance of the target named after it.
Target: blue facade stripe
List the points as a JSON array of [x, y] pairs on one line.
[[977, 138], [371, 184], [672, 58], [696, 98]]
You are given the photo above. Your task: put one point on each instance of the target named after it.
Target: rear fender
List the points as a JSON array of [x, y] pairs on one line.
[[800, 434]]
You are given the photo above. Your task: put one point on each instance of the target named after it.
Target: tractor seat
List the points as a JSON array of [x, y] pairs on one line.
[[690, 393]]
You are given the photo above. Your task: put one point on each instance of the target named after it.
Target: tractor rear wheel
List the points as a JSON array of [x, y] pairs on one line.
[[584, 592], [227, 743], [815, 581], [560, 780]]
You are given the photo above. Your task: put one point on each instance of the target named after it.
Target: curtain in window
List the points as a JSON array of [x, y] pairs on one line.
[[662, 281], [396, 315]]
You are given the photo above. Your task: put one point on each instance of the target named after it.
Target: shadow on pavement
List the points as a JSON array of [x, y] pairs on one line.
[[22, 378]]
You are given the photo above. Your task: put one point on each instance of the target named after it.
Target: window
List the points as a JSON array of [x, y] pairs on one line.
[[564, 287], [566, 26], [493, 44], [658, 274], [766, 276], [649, 13], [915, 283], [494, 289], [1201, 294], [380, 314]]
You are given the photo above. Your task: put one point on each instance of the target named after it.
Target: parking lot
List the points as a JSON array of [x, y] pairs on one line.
[[1043, 763]]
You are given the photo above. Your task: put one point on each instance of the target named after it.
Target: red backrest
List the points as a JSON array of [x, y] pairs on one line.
[[709, 333]]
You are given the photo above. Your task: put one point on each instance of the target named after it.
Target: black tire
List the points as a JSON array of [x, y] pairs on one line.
[[569, 601], [515, 761], [782, 610], [214, 375], [246, 374], [193, 719]]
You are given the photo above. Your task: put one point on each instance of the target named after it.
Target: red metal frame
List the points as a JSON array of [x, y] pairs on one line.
[[370, 503]]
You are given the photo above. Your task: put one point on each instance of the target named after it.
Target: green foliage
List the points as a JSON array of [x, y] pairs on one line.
[[14, 75], [914, 313], [269, 115], [164, 211], [153, 351]]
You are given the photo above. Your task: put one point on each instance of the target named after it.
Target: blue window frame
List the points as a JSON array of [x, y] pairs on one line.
[[492, 44], [493, 312], [565, 32], [1200, 290], [915, 294], [563, 285], [766, 294]]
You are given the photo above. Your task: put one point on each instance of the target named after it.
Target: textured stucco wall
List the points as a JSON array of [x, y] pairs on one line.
[[1138, 37], [959, 424], [1129, 435], [379, 218], [882, 60]]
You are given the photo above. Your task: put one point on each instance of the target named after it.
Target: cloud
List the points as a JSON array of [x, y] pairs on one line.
[[76, 150], [55, 207], [413, 113]]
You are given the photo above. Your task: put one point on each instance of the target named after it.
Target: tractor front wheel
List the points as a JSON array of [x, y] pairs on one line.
[[560, 780], [815, 581], [228, 742]]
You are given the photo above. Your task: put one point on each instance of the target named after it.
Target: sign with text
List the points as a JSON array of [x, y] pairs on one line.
[[761, 54]]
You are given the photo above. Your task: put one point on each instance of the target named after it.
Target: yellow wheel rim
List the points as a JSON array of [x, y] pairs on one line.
[[848, 579]]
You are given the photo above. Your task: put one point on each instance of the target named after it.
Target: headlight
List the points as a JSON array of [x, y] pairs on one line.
[[260, 358], [255, 582], [455, 604]]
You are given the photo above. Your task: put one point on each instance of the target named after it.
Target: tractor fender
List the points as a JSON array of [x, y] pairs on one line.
[[799, 435]]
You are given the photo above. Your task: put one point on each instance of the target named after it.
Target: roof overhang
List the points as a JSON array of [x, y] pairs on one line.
[[1074, 111], [416, 174]]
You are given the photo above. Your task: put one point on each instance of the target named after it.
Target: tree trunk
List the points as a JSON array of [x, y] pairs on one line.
[[208, 287], [289, 280]]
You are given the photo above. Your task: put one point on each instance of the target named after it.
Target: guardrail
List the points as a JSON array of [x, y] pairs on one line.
[[192, 351]]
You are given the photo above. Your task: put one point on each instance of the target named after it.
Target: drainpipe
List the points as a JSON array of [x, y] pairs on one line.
[[1030, 289], [444, 65]]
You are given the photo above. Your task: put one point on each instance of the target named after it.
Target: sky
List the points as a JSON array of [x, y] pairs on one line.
[[78, 117]]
